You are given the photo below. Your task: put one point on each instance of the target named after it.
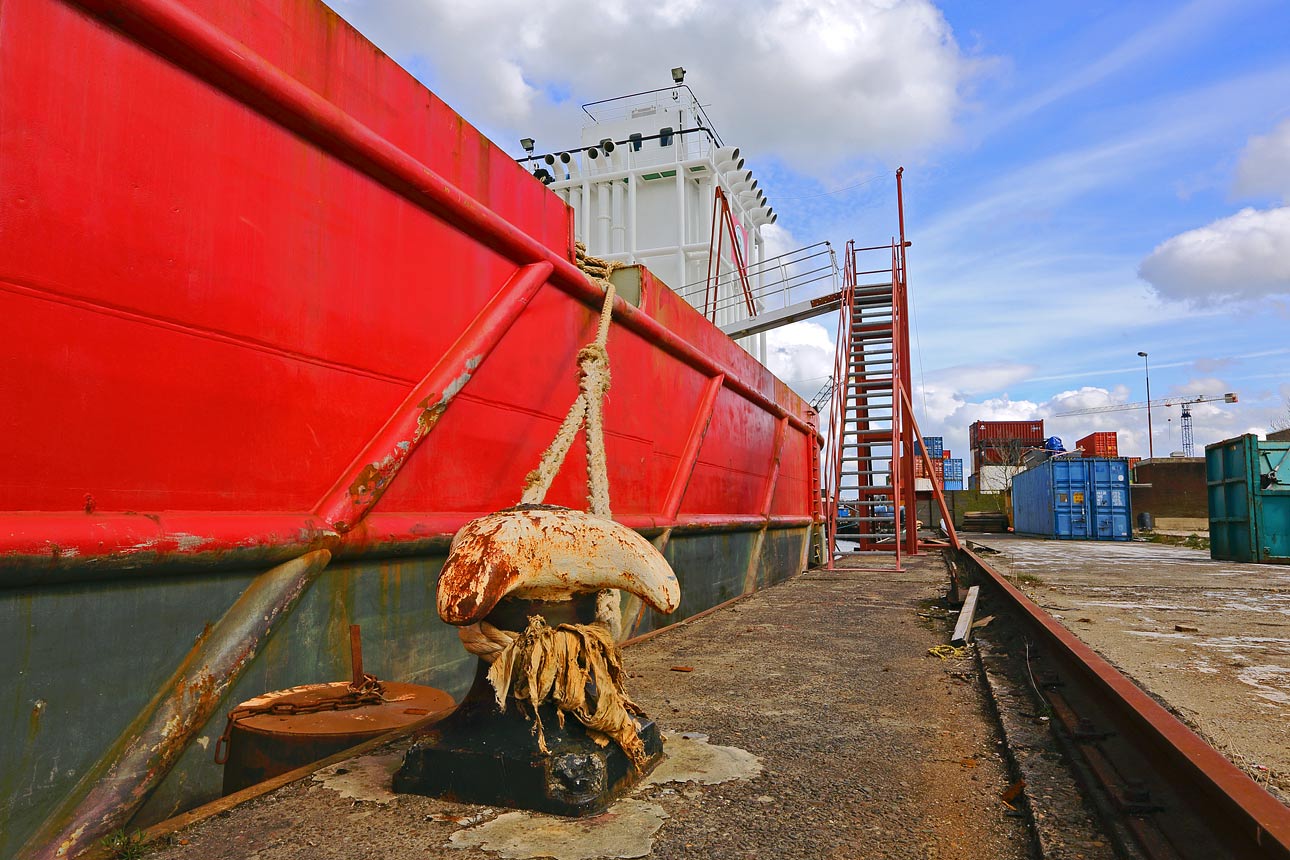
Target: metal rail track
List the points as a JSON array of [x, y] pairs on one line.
[[1178, 796]]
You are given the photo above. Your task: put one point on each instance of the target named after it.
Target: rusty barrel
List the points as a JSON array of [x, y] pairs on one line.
[[283, 730]]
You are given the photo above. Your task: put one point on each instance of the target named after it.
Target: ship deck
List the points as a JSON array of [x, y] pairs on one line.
[[865, 746]]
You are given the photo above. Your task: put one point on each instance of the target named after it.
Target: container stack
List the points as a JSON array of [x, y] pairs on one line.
[[938, 468], [935, 447], [998, 448]]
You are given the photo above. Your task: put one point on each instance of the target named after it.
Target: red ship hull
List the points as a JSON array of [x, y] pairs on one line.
[[261, 293]]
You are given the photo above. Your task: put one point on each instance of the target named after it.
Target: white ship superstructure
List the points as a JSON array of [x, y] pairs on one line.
[[652, 183]]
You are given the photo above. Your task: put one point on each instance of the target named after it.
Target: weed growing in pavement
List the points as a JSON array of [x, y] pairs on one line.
[[1025, 579], [1191, 541], [124, 845]]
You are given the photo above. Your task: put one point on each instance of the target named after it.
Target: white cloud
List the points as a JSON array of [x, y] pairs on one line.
[[949, 414], [1264, 167], [867, 78], [802, 355], [1243, 256]]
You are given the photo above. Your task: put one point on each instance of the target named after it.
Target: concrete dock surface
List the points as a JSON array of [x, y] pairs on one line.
[[1209, 639], [812, 723]]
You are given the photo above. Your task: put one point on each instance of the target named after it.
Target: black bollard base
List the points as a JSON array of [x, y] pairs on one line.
[[478, 755]]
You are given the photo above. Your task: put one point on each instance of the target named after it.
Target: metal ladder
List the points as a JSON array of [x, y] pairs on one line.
[[873, 434], [867, 406]]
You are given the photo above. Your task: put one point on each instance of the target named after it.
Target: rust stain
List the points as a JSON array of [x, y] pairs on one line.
[[33, 721], [547, 553], [375, 478]]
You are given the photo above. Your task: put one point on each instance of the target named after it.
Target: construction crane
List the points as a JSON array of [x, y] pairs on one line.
[[822, 396], [1186, 402]]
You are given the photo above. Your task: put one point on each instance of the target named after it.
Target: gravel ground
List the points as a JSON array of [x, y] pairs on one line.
[[869, 746], [1209, 639]]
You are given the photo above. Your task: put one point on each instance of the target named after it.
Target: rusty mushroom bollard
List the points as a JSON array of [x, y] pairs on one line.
[[547, 725]]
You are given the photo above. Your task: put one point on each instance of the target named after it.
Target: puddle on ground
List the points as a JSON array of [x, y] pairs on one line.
[[1269, 682], [625, 830], [690, 758], [628, 827], [368, 777]]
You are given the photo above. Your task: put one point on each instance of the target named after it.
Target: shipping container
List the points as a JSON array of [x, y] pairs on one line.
[[953, 471], [1248, 484], [920, 470], [1100, 444], [945, 455], [953, 485], [1006, 454], [1027, 431], [1074, 498], [935, 446], [1112, 515]]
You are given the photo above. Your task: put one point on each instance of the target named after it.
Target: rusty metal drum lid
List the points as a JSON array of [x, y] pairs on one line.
[[322, 709]]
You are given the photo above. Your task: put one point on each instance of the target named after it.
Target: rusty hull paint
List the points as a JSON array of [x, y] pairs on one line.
[[109, 794], [392, 598], [544, 552]]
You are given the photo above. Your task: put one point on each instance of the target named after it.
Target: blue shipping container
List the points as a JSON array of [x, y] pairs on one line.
[[953, 472], [956, 484], [935, 446], [1249, 500], [1074, 499], [1110, 517]]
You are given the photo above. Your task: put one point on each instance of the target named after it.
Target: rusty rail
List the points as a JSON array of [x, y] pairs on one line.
[[1177, 795]]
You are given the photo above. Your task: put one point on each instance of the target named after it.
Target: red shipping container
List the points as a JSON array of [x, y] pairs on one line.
[[1026, 431], [920, 470], [946, 455], [1101, 444]]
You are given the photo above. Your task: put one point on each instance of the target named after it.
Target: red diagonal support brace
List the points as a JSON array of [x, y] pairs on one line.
[[367, 478]]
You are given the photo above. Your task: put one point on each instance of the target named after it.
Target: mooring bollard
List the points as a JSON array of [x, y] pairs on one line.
[[547, 724]]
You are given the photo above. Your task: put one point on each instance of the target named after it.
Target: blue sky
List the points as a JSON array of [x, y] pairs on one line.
[[1055, 155]]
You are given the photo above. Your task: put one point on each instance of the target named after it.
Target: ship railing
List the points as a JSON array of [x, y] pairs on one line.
[[781, 276]]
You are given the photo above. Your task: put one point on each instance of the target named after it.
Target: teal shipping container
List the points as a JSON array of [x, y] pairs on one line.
[[1248, 482], [1074, 498]]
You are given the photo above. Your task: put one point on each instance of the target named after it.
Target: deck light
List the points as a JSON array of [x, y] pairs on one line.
[[678, 75], [527, 143]]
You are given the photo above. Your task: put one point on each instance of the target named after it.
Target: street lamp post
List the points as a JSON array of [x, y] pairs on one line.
[[1146, 370]]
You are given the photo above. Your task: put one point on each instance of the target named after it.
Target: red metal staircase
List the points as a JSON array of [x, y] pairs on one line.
[[872, 429]]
